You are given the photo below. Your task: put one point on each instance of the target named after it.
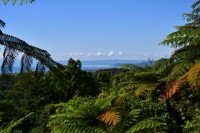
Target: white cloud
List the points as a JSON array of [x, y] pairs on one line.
[[100, 53], [120, 53], [77, 54], [111, 53], [1, 55]]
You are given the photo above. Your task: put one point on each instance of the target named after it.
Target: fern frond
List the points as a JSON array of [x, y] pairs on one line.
[[132, 117], [26, 62], [146, 77], [104, 102], [181, 67], [15, 124], [146, 124], [120, 99], [126, 88], [173, 88], [9, 57], [143, 88], [110, 118], [21, 46], [40, 68], [197, 3], [73, 128], [191, 77], [183, 37], [2, 24]]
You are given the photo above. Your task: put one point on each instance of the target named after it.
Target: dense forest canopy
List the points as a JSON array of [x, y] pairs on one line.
[[161, 98]]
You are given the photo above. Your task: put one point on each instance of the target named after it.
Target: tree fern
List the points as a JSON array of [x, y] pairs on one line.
[[14, 45]]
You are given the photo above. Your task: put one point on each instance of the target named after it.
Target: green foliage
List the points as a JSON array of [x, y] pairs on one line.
[[104, 102], [131, 67], [77, 129], [77, 110], [13, 124], [193, 126], [69, 100], [151, 123], [37, 130], [143, 88], [150, 77], [186, 40]]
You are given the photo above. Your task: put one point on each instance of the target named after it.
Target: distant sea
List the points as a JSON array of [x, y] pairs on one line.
[[93, 65]]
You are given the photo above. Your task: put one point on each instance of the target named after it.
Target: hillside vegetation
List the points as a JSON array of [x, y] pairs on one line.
[[161, 98]]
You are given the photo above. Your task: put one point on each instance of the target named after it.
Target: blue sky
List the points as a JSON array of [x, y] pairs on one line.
[[96, 29]]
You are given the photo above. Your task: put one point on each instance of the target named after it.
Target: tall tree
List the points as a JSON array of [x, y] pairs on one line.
[[187, 42]]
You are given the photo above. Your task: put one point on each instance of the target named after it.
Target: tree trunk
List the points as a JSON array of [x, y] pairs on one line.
[[176, 116]]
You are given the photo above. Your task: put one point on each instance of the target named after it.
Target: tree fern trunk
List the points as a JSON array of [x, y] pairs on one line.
[[176, 116]]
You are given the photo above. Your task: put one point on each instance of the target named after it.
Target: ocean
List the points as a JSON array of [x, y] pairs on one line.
[[93, 65]]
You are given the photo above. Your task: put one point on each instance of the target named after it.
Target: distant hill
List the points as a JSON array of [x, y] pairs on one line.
[[142, 64], [147, 63]]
